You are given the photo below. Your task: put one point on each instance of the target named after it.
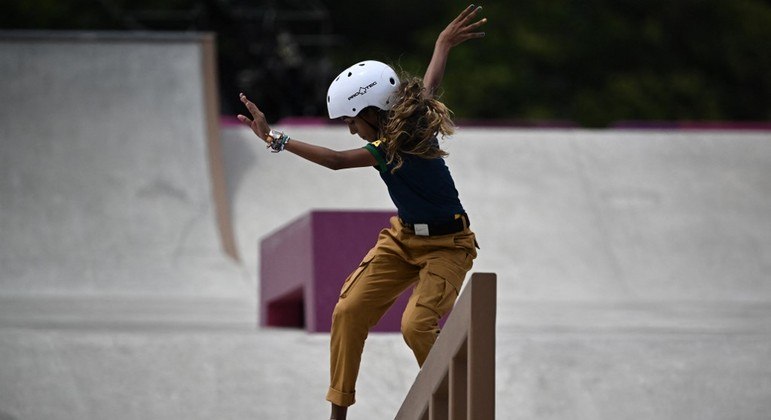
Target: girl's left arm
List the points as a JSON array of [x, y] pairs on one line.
[[459, 30]]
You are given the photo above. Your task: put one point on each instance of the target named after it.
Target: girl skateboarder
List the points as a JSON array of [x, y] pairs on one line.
[[429, 245]]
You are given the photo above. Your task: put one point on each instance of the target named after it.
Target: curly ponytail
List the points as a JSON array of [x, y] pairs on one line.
[[414, 122]]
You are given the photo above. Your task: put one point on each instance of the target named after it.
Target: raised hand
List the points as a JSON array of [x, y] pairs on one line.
[[462, 28], [258, 123], [459, 30]]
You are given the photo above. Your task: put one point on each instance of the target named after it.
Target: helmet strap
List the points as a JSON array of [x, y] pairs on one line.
[[374, 127]]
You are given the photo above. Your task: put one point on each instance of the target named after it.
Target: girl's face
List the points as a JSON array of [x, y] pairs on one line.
[[363, 125]]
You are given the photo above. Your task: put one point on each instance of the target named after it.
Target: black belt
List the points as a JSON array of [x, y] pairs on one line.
[[460, 223]]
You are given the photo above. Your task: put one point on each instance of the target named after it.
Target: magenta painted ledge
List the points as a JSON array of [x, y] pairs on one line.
[[304, 264]]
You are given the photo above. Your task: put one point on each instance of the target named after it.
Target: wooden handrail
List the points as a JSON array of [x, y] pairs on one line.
[[457, 381]]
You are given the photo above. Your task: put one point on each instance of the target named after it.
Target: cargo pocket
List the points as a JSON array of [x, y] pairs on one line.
[[353, 277], [439, 287], [453, 276], [467, 243]]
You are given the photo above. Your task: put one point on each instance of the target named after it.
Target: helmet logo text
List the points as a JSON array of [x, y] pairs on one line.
[[362, 90]]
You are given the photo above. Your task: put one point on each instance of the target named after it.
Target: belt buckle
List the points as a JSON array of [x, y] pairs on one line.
[[421, 229]]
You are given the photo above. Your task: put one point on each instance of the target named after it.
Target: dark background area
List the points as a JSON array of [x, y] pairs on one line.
[[591, 63]]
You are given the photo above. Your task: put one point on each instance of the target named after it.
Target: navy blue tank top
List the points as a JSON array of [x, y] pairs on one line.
[[422, 189]]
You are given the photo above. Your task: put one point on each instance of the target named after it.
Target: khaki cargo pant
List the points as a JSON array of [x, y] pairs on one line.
[[436, 265]]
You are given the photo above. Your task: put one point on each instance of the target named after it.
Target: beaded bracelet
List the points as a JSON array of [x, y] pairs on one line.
[[278, 141]]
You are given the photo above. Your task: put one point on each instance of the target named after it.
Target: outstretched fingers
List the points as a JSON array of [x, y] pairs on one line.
[[463, 27], [251, 106], [471, 27], [257, 123], [244, 119], [467, 13], [475, 25]]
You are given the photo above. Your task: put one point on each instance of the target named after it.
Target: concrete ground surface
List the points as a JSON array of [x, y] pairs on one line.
[[633, 266]]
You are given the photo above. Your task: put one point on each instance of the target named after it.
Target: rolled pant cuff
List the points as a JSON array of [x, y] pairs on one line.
[[343, 399]]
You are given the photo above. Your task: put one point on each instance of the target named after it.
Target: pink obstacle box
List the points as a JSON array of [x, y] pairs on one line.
[[303, 266]]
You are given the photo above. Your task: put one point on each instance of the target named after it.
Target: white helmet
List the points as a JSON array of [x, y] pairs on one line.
[[369, 83]]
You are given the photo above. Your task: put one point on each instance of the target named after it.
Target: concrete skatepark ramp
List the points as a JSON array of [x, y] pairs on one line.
[[609, 215], [633, 266], [109, 172], [105, 167]]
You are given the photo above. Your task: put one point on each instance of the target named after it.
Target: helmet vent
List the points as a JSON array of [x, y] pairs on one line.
[[393, 82], [354, 109], [328, 99], [338, 78], [349, 74], [362, 64]]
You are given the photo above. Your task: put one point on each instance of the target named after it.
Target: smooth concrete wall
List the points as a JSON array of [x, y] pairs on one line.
[[104, 171], [564, 215]]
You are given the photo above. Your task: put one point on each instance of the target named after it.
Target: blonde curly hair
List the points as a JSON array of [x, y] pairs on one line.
[[413, 124]]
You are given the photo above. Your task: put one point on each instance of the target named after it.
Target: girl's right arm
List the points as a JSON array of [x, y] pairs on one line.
[[459, 30], [323, 156]]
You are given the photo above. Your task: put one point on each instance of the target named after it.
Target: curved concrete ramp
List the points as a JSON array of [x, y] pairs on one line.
[[561, 215], [105, 176], [627, 215]]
